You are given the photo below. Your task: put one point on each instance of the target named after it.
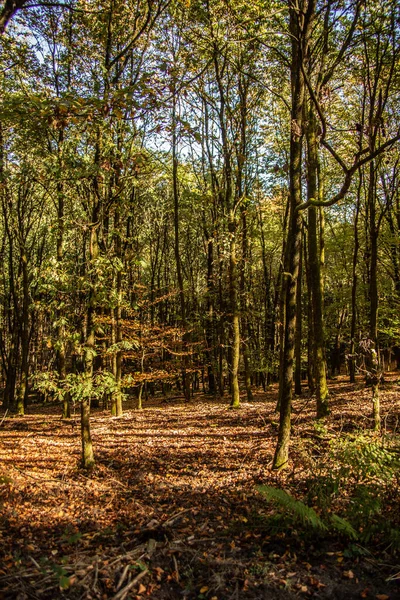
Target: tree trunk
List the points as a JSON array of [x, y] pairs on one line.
[[233, 297], [87, 446], [298, 340], [319, 366], [60, 329], [116, 400], [300, 23], [185, 337], [210, 319], [352, 361], [244, 302], [24, 335]]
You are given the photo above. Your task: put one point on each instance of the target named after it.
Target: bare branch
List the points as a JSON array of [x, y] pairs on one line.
[[349, 177]]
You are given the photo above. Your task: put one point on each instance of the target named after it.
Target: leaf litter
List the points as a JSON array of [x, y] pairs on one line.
[[172, 510]]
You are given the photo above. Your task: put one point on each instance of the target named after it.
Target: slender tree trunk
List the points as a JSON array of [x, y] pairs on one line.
[[310, 325], [373, 362], [60, 329], [116, 400], [24, 324], [300, 22], [319, 366], [210, 320], [352, 362], [244, 301], [298, 340], [87, 446], [234, 306], [221, 328], [185, 337], [280, 304], [228, 205]]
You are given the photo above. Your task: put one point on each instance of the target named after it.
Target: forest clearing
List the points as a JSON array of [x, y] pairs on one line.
[[172, 507]]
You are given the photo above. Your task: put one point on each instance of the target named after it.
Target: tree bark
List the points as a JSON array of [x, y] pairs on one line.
[[319, 366], [300, 22], [233, 297]]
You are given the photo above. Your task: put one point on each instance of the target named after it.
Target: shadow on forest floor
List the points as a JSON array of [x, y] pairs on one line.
[[171, 509]]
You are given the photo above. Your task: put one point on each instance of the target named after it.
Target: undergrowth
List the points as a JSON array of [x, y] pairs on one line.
[[351, 491]]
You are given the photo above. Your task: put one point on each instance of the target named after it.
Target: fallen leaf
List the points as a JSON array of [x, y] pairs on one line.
[[349, 575]]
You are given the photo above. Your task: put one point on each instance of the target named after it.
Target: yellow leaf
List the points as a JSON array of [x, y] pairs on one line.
[[204, 589]]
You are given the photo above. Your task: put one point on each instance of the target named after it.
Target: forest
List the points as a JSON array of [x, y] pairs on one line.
[[200, 299]]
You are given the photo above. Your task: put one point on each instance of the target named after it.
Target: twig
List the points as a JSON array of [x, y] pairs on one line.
[[19, 575], [46, 480], [5, 414], [123, 577], [175, 517], [35, 563], [128, 555], [96, 575], [262, 418], [130, 585], [299, 412], [176, 567]]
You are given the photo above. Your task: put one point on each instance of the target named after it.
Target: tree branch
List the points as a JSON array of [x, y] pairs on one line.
[[348, 178]]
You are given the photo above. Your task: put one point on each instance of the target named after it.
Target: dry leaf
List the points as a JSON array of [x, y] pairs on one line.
[[348, 574]]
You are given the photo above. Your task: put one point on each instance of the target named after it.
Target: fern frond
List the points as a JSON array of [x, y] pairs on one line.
[[295, 507], [344, 527]]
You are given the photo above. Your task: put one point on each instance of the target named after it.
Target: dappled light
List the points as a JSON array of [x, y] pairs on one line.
[[173, 497]]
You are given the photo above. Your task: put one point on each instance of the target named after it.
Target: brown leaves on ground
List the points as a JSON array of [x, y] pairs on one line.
[[171, 509]]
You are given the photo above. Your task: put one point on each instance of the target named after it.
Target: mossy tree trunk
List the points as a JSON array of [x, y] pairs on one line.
[[299, 329], [318, 355], [89, 353]]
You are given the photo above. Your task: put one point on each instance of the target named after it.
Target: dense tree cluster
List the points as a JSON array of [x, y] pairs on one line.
[[197, 193]]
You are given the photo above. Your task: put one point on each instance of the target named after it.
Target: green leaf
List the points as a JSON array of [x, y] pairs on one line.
[[344, 527], [65, 582], [296, 507]]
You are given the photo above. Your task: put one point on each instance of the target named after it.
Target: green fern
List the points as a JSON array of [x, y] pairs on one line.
[[303, 512], [344, 527]]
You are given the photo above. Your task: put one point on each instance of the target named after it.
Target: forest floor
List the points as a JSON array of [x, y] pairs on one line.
[[172, 508]]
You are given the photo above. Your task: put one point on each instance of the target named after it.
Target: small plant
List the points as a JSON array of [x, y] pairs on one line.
[[71, 537], [306, 514], [64, 581]]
